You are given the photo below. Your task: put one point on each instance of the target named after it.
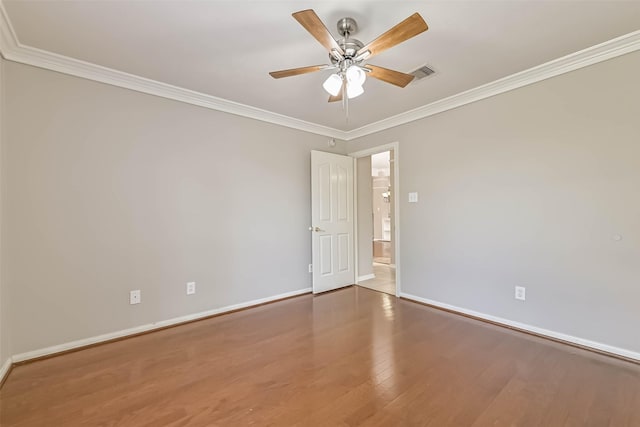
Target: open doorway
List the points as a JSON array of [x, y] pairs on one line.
[[376, 222]]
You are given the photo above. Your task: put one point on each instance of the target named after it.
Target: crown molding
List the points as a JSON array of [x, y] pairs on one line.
[[592, 55], [12, 50], [8, 38]]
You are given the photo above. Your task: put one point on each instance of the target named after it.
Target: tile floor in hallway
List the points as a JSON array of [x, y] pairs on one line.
[[385, 280]]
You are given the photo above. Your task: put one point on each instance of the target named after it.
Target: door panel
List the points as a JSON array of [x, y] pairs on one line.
[[324, 185], [343, 193], [332, 220], [325, 255], [343, 252]]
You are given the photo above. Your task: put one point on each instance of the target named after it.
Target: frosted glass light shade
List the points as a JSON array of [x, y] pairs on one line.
[[333, 84], [356, 75], [354, 90]]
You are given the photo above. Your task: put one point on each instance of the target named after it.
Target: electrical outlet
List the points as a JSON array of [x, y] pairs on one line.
[[310, 268], [521, 293], [191, 288], [134, 297]]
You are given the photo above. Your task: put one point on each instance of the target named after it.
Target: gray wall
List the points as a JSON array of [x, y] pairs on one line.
[[4, 333], [365, 217], [109, 190], [104, 190], [528, 188]]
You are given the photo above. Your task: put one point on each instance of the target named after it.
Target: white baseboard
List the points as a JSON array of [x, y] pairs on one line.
[[145, 328], [534, 329], [366, 277], [4, 369]]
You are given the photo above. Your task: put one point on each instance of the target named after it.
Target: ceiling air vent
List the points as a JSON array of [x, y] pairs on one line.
[[422, 72]]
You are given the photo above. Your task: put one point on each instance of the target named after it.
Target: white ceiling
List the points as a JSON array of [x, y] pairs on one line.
[[227, 48]]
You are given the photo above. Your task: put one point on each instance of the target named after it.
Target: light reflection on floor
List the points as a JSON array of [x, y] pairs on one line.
[[382, 350]]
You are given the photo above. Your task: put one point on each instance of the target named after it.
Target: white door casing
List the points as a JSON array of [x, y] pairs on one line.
[[332, 221], [395, 146]]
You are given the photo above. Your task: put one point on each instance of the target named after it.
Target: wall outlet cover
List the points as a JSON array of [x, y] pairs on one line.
[[191, 288], [135, 297], [521, 293]]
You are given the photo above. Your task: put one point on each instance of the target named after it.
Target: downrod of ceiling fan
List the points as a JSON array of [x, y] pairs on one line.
[[347, 26]]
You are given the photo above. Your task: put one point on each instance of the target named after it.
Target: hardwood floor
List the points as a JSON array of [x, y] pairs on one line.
[[346, 358]]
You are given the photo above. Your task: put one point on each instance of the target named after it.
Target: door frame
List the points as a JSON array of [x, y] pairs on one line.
[[395, 146]]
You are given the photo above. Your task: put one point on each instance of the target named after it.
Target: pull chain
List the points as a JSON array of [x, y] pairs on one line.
[[345, 102]]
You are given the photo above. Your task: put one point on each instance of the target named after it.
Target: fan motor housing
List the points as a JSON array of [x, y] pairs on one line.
[[350, 48], [346, 27]]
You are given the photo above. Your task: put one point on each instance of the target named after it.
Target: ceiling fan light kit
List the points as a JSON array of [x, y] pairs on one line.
[[347, 56], [353, 78], [355, 75], [354, 90], [333, 84]]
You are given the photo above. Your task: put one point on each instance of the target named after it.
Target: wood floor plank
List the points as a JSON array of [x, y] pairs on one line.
[[354, 357]]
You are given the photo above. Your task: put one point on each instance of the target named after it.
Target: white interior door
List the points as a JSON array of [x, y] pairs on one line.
[[332, 221]]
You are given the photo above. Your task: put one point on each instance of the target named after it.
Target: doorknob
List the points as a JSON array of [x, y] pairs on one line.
[[316, 229]]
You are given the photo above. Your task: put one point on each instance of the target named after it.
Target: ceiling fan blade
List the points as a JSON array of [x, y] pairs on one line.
[[338, 97], [310, 21], [412, 26], [296, 71], [390, 76]]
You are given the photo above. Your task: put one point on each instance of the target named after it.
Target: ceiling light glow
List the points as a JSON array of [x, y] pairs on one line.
[[354, 90], [356, 75], [333, 84]]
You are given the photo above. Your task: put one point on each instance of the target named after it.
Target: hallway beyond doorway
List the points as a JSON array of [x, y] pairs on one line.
[[385, 280]]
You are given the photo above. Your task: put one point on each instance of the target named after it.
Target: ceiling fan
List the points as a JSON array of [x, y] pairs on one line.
[[348, 55]]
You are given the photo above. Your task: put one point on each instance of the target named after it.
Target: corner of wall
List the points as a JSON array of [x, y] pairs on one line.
[[4, 348]]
